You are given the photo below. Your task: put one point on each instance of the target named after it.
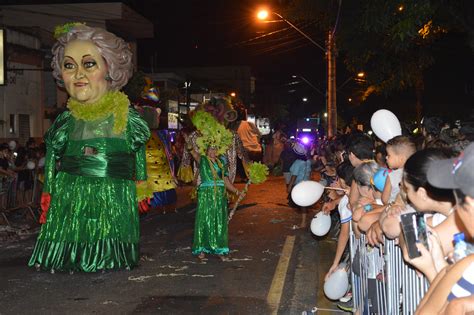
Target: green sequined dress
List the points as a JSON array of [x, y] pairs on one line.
[[210, 228], [90, 172]]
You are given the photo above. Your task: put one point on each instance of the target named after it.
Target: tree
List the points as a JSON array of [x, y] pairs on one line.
[[391, 41]]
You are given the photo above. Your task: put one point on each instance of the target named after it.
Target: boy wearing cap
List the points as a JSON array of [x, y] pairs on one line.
[[452, 291], [300, 170]]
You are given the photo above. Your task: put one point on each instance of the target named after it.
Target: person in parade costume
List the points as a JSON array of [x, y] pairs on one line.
[[222, 110], [95, 154], [211, 222], [161, 182]]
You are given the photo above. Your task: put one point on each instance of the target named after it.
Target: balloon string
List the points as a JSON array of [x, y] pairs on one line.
[[315, 309], [333, 188]]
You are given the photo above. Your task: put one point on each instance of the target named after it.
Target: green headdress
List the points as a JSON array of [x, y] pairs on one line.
[[60, 30], [212, 133]]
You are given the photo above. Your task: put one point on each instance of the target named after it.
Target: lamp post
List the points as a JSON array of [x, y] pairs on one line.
[[330, 52]]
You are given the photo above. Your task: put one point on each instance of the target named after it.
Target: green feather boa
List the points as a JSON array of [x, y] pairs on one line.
[[258, 172], [113, 103]]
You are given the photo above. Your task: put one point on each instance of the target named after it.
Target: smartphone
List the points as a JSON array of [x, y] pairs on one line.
[[414, 230]]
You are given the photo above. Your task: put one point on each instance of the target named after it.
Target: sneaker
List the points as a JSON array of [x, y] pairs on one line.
[[347, 306], [346, 298], [312, 311]]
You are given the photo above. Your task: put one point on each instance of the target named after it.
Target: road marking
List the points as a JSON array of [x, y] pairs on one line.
[[278, 282]]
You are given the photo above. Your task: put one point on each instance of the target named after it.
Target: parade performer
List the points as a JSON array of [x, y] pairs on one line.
[[210, 230], [160, 187], [95, 153], [221, 109]]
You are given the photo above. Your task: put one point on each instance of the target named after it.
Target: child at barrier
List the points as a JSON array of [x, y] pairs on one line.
[[360, 148], [367, 256], [421, 195], [399, 149], [300, 170], [369, 204], [345, 175], [452, 290]]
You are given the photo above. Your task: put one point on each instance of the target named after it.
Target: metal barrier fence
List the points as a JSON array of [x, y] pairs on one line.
[[15, 196], [382, 283]]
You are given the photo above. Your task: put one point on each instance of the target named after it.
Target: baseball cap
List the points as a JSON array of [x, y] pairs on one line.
[[299, 149], [455, 173]]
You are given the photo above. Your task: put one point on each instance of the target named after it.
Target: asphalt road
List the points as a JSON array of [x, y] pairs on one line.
[[276, 267]]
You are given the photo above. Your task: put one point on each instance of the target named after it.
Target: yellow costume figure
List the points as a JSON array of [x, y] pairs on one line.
[[160, 169], [160, 186]]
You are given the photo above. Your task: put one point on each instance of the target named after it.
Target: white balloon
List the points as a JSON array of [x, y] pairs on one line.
[[320, 224], [385, 125], [30, 165], [307, 193], [41, 162], [336, 285]]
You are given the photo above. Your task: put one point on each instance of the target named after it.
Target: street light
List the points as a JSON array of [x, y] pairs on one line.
[[262, 14], [330, 52], [305, 99], [361, 74], [233, 94]]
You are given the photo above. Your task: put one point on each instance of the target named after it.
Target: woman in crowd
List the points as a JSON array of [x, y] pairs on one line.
[[452, 291], [89, 204]]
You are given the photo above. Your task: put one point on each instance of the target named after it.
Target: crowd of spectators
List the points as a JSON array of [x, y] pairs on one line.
[[19, 166], [431, 173]]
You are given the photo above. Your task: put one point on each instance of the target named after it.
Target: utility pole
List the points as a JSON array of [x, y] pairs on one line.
[[331, 87]]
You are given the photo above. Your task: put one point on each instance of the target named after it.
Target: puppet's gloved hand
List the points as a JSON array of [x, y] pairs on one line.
[[144, 205], [45, 202]]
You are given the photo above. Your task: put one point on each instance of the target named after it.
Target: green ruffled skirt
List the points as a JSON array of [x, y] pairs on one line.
[[92, 224], [210, 228]]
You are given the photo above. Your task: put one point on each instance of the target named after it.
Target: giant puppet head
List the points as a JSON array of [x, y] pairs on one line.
[[148, 104], [221, 109], [90, 61]]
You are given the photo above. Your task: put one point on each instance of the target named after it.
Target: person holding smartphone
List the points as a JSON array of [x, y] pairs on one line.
[[452, 291]]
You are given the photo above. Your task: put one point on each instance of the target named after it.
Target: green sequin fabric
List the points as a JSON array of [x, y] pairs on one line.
[[92, 223], [210, 228]]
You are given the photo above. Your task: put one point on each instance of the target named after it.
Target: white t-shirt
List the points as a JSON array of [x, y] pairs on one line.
[[395, 179], [344, 213], [436, 218]]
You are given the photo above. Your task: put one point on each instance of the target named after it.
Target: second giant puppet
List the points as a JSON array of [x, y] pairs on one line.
[[160, 186]]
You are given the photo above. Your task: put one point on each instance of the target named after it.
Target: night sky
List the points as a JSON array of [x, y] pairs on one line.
[[194, 33], [225, 32]]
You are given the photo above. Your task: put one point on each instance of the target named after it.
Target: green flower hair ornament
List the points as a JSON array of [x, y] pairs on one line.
[[60, 30], [258, 172], [212, 133]]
